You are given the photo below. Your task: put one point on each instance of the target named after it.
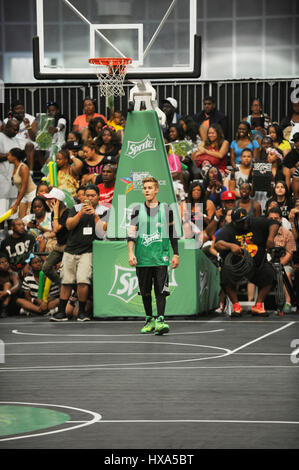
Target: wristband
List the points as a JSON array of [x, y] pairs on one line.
[[55, 218], [79, 214], [208, 189], [216, 218], [218, 191], [8, 292]]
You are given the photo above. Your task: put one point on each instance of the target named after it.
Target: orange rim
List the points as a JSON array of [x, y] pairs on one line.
[[110, 61]]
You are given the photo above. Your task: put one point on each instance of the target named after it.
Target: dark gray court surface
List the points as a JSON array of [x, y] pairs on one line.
[[212, 382]]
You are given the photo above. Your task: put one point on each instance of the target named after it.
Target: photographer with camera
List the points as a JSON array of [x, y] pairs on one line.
[[284, 238], [242, 245]]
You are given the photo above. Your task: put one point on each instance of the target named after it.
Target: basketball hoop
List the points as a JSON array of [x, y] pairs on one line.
[[111, 82]]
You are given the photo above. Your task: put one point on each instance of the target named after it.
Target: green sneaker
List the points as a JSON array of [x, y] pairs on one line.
[[161, 327], [149, 326]]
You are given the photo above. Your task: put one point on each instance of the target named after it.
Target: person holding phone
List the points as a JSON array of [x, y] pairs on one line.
[[84, 224]]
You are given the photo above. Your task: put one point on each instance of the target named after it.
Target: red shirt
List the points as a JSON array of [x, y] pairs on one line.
[[106, 194]]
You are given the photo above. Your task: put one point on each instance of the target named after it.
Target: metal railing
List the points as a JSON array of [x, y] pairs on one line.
[[232, 97]]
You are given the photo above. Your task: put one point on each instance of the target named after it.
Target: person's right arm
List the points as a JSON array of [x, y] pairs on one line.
[[222, 245]]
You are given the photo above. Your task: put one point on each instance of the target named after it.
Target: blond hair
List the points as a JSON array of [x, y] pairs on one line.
[[150, 179]]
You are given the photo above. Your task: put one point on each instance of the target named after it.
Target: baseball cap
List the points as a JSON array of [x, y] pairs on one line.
[[228, 196], [73, 145], [239, 215], [55, 193], [295, 137], [172, 101]]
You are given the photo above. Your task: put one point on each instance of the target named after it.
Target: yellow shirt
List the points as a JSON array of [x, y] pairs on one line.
[[116, 126]]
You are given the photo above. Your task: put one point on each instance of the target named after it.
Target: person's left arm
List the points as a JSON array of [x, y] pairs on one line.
[[287, 174], [24, 174], [219, 153], [15, 284], [174, 241], [273, 229]]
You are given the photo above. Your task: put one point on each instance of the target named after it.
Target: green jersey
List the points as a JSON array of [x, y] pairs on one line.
[[152, 244]]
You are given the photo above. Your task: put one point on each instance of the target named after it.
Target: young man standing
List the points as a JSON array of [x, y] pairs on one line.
[[151, 232]]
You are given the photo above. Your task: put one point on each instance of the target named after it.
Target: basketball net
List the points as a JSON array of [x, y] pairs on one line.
[[111, 83]]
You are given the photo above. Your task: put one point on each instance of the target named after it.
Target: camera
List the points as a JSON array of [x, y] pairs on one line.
[[276, 253]]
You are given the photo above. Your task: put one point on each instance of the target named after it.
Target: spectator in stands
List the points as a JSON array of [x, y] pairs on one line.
[[210, 116], [39, 222], [60, 214], [259, 122], [279, 172], [191, 130], [291, 160], [196, 198], [92, 164], [243, 140], [8, 192], [30, 303], [241, 173], [254, 234], [77, 257], [282, 196], [106, 187], [266, 143], [59, 129], [284, 222], [228, 203], [109, 142], [27, 130], [213, 186], [42, 188], [68, 170], [95, 126], [80, 194], [169, 108], [22, 180], [290, 123], [18, 246], [9, 287], [276, 134], [246, 202], [82, 121], [214, 149], [74, 137], [175, 132], [115, 120], [286, 239]]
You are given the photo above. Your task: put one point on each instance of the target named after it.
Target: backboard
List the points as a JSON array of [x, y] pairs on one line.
[[158, 35]]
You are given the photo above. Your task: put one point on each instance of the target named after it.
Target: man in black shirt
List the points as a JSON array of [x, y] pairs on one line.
[[254, 234], [18, 246], [210, 115], [83, 223]]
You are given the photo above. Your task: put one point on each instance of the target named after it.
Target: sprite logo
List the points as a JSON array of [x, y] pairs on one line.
[[135, 148], [149, 239], [125, 285]]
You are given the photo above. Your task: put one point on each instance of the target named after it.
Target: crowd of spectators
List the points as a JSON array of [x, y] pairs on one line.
[[257, 170]]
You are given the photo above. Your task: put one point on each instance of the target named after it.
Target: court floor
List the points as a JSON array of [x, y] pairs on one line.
[[211, 383]]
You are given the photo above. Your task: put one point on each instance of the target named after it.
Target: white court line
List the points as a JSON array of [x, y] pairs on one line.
[[262, 321], [96, 417], [16, 332], [174, 421], [100, 366], [158, 368], [125, 353]]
